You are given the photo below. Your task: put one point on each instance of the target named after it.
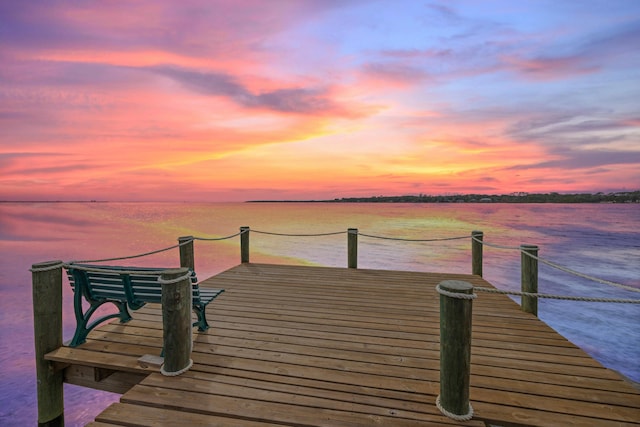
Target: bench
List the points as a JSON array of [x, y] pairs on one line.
[[126, 288]]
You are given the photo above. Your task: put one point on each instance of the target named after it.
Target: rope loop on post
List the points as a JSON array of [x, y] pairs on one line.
[[458, 295], [162, 281], [185, 241], [178, 372], [453, 416], [48, 268]]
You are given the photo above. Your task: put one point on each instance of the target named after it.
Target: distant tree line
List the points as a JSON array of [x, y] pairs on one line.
[[520, 197]]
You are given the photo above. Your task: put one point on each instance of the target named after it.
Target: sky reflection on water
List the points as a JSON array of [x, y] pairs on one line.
[[601, 240]]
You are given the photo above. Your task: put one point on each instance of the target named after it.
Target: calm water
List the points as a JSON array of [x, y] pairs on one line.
[[600, 240]]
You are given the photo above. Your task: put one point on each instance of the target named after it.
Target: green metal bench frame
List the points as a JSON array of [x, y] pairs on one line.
[[116, 285]]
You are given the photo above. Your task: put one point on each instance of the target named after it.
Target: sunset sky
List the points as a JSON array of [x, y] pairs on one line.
[[202, 100]]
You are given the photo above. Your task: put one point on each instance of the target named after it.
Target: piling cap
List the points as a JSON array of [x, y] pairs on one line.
[[47, 263], [457, 286]]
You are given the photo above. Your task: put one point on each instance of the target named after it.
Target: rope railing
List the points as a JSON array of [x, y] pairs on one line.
[[400, 239], [132, 256], [558, 266], [245, 230], [299, 235], [583, 275], [494, 245], [75, 263], [356, 232], [212, 239], [182, 243], [558, 297]]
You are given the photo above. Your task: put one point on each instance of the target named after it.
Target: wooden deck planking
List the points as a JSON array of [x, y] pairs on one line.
[[354, 347]]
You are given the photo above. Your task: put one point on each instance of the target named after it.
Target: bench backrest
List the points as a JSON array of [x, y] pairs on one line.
[[119, 283]]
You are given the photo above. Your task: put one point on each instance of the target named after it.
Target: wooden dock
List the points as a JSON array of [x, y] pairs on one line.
[[318, 346]]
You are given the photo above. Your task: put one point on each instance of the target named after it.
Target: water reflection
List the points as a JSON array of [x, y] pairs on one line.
[[601, 240]]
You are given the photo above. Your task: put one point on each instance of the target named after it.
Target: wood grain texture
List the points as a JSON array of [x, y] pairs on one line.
[[317, 346]]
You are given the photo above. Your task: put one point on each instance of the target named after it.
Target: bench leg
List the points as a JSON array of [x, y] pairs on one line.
[[80, 336], [82, 319], [202, 319], [83, 328], [123, 311]]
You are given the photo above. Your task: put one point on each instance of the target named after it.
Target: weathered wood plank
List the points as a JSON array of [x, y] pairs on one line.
[[84, 357], [297, 410], [103, 424], [318, 346], [136, 415], [303, 395]]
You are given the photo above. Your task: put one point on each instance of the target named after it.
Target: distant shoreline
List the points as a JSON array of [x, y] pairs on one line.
[[619, 197]]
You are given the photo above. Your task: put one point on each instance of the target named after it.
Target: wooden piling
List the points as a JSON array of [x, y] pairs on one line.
[[455, 348], [529, 277], [187, 258], [46, 280], [244, 244], [352, 248], [476, 252], [177, 302]]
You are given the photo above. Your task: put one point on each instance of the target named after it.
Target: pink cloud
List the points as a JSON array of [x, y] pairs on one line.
[[393, 74], [550, 68]]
